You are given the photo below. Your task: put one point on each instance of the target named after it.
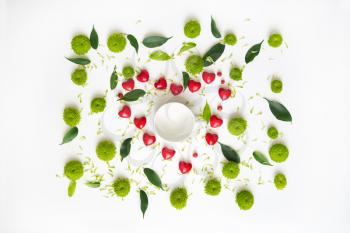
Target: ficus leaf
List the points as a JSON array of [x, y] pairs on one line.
[[114, 79], [229, 153], [70, 135], [261, 158], [206, 113], [214, 29], [93, 38], [185, 79], [125, 148], [253, 52], [279, 111], [79, 60], [213, 54], [154, 41], [71, 188], [93, 184], [143, 202], [153, 177], [133, 41], [133, 95], [187, 46], [159, 56]]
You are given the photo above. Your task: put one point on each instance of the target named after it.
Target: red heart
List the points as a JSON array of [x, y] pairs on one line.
[[125, 112], [143, 76], [148, 139], [194, 86], [128, 85], [167, 153], [211, 138], [215, 121], [224, 93], [185, 167], [176, 89], [161, 84], [208, 77], [140, 122]]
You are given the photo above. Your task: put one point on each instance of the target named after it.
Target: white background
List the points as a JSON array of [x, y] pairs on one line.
[[35, 87]]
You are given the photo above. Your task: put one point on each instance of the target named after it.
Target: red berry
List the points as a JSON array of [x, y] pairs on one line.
[[208, 77], [125, 112], [176, 89], [219, 73], [185, 167], [211, 138], [161, 84], [224, 93], [148, 139], [215, 121], [194, 86], [195, 155], [167, 153], [222, 81], [120, 95], [143, 76], [219, 107], [140, 122], [128, 85]]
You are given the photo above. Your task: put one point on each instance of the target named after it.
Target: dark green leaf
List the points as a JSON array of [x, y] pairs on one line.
[[125, 148], [187, 46], [79, 60], [213, 54], [261, 158], [154, 41], [206, 113], [214, 29], [133, 95], [93, 184], [253, 52], [185, 79], [71, 188], [70, 135], [94, 38], [279, 111], [153, 177], [229, 153], [114, 79], [159, 56], [133, 41], [143, 202]]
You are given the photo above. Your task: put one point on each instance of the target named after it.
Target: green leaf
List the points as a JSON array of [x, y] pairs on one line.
[[229, 153], [94, 38], [206, 113], [261, 158], [187, 46], [159, 56], [213, 54], [214, 29], [154, 41], [125, 148], [93, 184], [143, 202], [133, 41], [71, 188], [279, 111], [185, 79], [253, 52], [153, 177], [114, 79], [70, 135], [79, 60], [133, 95]]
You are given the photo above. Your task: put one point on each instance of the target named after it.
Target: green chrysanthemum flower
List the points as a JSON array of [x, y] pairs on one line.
[[194, 64], [98, 105], [276, 86], [237, 126], [178, 198], [128, 72], [71, 116], [230, 39], [278, 153], [280, 181], [116, 42], [236, 74], [212, 187], [121, 187], [245, 199], [275, 40], [79, 77], [230, 170], [80, 44], [74, 170], [192, 29], [105, 150], [272, 132]]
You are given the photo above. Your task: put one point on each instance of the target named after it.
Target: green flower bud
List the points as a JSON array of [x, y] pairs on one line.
[[230, 170], [105, 150], [116, 42], [278, 153], [236, 74], [237, 126], [194, 64], [79, 77], [128, 72], [121, 187], [272, 132], [280, 181], [71, 116], [230, 39], [74, 170], [192, 29], [245, 199], [276, 86], [212, 187], [98, 105], [275, 40], [80, 44], [178, 198]]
